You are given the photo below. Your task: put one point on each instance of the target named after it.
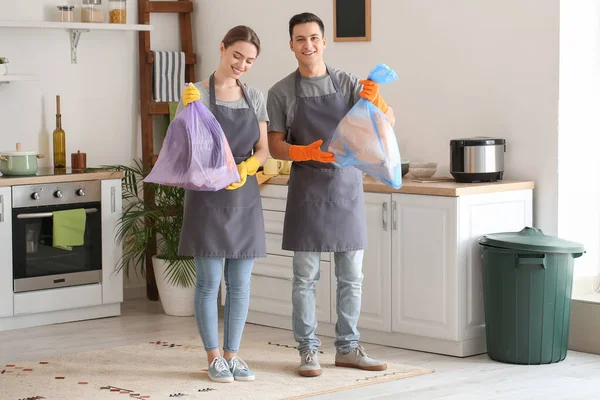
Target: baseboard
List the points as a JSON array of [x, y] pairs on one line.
[[410, 342], [57, 317]]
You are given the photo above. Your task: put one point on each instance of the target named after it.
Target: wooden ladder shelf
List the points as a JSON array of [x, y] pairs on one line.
[[148, 107]]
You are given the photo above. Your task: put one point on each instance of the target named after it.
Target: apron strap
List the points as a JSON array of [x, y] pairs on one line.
[[213, 98], [211, 93]]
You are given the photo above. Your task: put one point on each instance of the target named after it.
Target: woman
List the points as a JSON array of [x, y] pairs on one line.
[[227, 225]]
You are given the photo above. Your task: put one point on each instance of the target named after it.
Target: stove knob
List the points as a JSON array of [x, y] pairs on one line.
[[58, 194], [80, 192], [35, 196]]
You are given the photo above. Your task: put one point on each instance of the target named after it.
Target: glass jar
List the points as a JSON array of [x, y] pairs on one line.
[[91, 11], [65, 13], [117, 11]]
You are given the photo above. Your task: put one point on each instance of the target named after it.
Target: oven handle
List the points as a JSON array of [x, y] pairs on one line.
[[49, 214]]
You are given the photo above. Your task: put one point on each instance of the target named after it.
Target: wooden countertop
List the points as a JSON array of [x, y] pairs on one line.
[[450, 189], [47, 175]]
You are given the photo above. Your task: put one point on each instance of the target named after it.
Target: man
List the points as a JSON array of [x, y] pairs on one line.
[[325, 203]]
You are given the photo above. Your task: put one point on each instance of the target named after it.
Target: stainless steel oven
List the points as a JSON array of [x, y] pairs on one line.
[[37, 264]]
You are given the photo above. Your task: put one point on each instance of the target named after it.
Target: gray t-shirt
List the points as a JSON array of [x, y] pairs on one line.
[[257, 98], [281, 100]]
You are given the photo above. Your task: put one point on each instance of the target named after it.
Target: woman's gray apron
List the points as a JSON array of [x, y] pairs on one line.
[[227, 223], [325, 209]]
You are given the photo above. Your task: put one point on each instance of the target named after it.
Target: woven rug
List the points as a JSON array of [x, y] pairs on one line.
[[163, 370]]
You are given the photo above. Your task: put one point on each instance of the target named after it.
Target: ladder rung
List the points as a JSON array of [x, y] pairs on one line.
[[170, 7], [190, 58], [159, 108]]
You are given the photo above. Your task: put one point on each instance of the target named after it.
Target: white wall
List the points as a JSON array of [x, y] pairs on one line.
[[579, 127], [99, 95], [466, 68]]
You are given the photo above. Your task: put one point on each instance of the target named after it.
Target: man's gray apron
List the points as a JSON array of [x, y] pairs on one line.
[[325, 209], [227, 223]]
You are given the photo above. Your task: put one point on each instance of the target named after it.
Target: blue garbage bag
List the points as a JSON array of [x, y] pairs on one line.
[[365, 139]]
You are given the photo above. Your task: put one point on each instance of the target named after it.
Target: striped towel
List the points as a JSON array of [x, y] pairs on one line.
[[169, 75]]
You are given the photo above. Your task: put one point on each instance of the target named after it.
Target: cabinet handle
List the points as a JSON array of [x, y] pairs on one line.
[[1, 208], [112, 200], [393, 215], [384, 216], [272, 277]]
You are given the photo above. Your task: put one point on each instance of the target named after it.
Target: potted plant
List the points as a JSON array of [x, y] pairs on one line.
[[3, 66], [139, 222]]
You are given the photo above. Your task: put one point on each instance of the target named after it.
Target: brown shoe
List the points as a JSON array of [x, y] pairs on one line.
[[358, 358], [309, 364]]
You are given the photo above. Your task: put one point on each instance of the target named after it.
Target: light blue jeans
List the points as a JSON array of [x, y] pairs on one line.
[[307, 271], [237, 282]]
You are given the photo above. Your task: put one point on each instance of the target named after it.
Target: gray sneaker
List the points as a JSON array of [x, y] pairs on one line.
[[309, 364], [218, 371], [358, 358], [240, 371]]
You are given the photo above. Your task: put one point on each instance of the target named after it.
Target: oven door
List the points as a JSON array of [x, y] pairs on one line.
[[37, 264]]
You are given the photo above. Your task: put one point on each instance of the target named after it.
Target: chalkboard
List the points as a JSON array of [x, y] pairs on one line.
[[351, 20]]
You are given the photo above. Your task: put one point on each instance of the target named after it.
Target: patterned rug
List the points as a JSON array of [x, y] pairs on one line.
[[163, 370]]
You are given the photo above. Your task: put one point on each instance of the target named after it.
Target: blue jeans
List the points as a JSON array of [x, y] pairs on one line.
[[237, 282], [307, 271]]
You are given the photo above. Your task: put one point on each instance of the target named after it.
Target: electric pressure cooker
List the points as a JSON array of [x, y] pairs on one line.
[[477, 159]]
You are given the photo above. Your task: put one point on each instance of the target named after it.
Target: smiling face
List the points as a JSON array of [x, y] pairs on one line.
[[308, 43], [237, 58]]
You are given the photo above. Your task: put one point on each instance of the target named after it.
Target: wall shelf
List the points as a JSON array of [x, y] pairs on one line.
[[16, 78], [75, 29]]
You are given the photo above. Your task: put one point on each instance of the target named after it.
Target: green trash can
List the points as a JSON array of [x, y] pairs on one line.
[[527, 282]]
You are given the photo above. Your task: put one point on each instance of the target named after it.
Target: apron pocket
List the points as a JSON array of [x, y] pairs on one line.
[[326, 185], [244, 197]]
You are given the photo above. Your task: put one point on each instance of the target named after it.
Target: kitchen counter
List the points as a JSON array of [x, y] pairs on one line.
[[50, 175], [450, 189]]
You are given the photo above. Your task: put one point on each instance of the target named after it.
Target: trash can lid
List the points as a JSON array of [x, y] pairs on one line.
[[531, 239]]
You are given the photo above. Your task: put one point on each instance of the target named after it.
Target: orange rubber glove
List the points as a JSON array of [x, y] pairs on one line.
[[311, 152], [190, 94], [370, 92]]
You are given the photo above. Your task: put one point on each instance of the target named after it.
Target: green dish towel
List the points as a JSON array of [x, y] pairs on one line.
[[172, 110], [68, 228]]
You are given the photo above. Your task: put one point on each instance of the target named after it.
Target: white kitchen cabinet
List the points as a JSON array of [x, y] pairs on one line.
[[6, 264], [424, 278], [112, 281], [423, 286], [271, 288]]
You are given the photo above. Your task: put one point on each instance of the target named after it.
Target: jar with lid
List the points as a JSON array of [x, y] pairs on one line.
[[91, 11], [65, 13], [117, 11]]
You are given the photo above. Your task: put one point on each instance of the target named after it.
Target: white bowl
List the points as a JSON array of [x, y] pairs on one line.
[[422, 173], [423, 165]]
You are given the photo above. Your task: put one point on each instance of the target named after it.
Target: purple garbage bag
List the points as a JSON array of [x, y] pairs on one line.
[[195, 154]]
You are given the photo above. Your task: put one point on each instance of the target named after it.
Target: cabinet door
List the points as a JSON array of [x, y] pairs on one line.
[[424, 272], [112, 282], [6, 266], [271, 287], [481, 215], [376, 304]]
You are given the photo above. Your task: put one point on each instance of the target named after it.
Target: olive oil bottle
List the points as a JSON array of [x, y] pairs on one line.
[[58, 140]]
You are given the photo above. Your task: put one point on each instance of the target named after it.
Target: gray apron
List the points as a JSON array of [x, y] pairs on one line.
[[325, 209], [227, 223]]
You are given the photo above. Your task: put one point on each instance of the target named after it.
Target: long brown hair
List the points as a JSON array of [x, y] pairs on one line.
[[242, 33]]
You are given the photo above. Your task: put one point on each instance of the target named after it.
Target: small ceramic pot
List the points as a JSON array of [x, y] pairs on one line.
[[19, 163], [3, 69]]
